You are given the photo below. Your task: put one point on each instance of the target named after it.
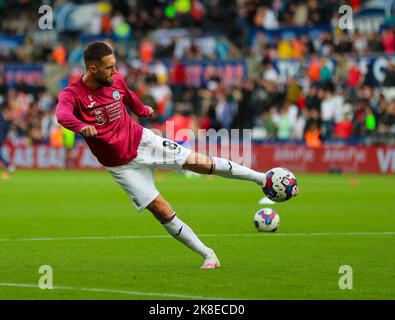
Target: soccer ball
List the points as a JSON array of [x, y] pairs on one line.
[[267, 220], [280, 185]]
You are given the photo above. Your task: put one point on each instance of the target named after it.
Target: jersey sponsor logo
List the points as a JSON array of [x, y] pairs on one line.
[[91, 104], [99, 115], [116, 95]]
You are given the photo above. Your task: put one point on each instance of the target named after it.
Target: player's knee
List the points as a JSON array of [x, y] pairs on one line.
[[156, 204], [198, 162], [161, 209]]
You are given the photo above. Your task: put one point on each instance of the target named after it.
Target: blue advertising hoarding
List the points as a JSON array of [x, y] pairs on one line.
[[375, 65], [29, 74]]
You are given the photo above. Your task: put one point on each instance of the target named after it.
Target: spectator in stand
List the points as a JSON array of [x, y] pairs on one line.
[[301, 14], [387, 119], [160, 71], [269, 18], [355, 79], [314, 69], [388, 40], [326, 75], [299, 127], [268, 122], [312, 135], [389, 80], [182, 119], [225, 109], [178, 79], [344, 45], [48, 124], [5, 122], [374, 43], [326, 46], [285, 125], [76, 54], [298, 47], [285, 49], [328, 111], [293, 91], [3, 90], [359, 119], [162, 95], [146, 51], [359, 42], [316, 13], [59, 54], [260, 46], [343, 129], [68, 143], [370, 121], [270, 74], [313, 101], [33, 119], [265, 18]]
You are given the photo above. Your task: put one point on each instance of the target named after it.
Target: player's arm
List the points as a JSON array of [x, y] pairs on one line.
[[65, 117], [134, 103]]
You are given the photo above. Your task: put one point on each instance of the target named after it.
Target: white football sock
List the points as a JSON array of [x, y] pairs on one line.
[[182, 232], [229, 169]]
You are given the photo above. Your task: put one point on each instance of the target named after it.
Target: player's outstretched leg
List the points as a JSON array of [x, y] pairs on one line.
[[201, 163], [179, 230]]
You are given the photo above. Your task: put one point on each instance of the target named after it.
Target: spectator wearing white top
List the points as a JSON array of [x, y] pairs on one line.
[[328, 112]]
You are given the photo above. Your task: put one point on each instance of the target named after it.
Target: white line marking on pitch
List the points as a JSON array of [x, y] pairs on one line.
[[230, 235], [132, 293]]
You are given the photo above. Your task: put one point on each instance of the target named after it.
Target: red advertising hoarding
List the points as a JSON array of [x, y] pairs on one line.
[[355, 159], [298, 158]]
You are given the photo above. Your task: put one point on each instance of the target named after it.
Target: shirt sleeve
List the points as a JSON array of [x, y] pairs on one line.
[[65, 114], [133, 102]]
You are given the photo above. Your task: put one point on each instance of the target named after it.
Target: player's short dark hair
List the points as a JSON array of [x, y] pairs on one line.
[[96, 50]]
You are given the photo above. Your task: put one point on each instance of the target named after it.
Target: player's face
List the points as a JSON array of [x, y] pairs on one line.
[[105, 71]]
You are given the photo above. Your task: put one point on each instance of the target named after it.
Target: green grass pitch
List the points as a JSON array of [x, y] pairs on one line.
[[84, 226]]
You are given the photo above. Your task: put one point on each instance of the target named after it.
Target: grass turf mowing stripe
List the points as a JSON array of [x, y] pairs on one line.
[[316, 234], [134, 293]]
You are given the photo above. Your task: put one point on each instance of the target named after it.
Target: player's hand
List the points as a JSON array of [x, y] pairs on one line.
[[151, 111], [89, 131]]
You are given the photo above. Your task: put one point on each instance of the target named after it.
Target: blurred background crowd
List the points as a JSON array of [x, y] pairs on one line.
[[293, 73]]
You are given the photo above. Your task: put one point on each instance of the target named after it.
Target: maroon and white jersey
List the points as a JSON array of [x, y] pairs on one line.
[[118, 135]]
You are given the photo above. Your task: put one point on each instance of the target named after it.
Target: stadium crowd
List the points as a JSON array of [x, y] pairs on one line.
[[318, 104]]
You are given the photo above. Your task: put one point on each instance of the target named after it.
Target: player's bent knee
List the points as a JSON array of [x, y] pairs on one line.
[[198, 162], [161, 209]]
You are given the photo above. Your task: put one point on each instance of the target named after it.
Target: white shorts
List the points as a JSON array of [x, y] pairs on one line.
[[137, 178]]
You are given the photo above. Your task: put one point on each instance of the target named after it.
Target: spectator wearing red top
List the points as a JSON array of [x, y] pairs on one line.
[[178, 79], [354, 80], [388, 41], [182, 122], [354, 76], [343, 129], [355, 4]]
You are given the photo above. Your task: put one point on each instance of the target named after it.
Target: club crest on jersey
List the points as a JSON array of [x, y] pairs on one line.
[[99, 115], [116, 95]]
